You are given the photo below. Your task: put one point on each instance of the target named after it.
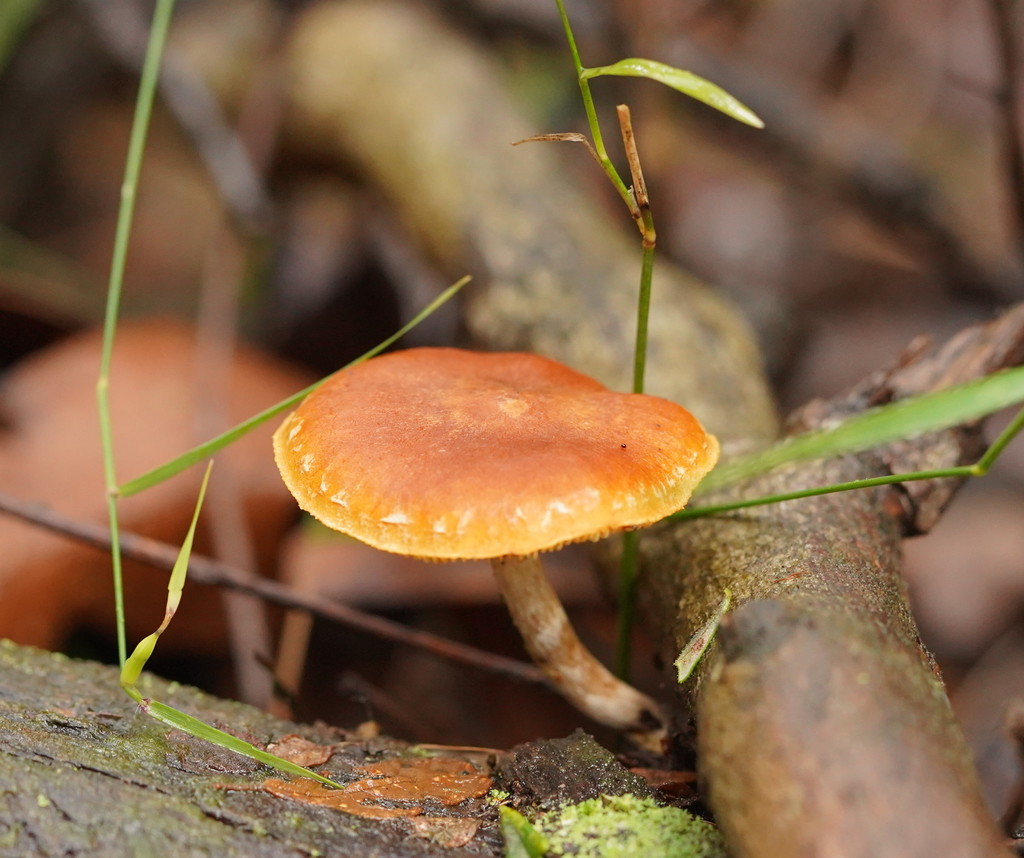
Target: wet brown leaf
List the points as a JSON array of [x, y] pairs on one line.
[[300, 751], [348, 800], [450, 832], [410, 782], [442, 779], [50, 453]]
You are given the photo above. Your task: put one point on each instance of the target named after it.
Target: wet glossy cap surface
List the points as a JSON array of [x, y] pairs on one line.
[[452, 454]]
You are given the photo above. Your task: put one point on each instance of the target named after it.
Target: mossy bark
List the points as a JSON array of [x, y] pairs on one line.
[[822, 724], [83, 772]]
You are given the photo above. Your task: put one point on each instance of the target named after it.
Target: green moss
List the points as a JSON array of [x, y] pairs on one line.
[[623, 826]]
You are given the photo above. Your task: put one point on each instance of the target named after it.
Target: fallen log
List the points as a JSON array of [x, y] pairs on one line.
[[822, 721]]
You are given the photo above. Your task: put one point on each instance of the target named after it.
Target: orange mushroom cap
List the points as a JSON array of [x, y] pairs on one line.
[[448, 454]]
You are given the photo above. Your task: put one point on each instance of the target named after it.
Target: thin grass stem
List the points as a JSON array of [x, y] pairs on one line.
[[852, 485], [643, 311], [1003, 440], [628, 567], [978, 469], [133, 165], [591, 111], [637, 204]]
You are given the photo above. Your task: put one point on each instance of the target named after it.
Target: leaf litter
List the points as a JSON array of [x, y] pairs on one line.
[[393, 788]]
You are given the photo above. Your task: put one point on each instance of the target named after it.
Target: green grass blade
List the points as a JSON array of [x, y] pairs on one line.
[[176, 582], [133, 165], [15, 17], [883, 425], [522, 840], [207, 449], [682, 81], [136, 662], [194, 727], [695, 648]]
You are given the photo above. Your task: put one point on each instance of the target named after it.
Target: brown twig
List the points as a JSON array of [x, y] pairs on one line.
[[219, 310], [636, 172], [1006, 26], [203, 570], [640, 202]]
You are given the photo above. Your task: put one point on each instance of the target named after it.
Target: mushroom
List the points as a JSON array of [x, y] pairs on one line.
[[446, 454]]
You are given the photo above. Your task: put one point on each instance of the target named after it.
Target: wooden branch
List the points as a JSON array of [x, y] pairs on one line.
[[822, 725]]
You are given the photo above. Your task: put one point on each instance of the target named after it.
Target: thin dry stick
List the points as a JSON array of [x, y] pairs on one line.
[[203, 570], [224, 270], [247, 623], [642, 202], [1006, 15]]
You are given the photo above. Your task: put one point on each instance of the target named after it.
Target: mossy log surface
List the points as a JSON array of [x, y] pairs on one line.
[[822, 723], [82, 772]]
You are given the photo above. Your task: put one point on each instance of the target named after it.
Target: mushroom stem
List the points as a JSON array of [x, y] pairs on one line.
[[575, 672]]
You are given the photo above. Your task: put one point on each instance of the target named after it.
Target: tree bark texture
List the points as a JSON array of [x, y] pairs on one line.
[[820, 701], [822, 725]]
